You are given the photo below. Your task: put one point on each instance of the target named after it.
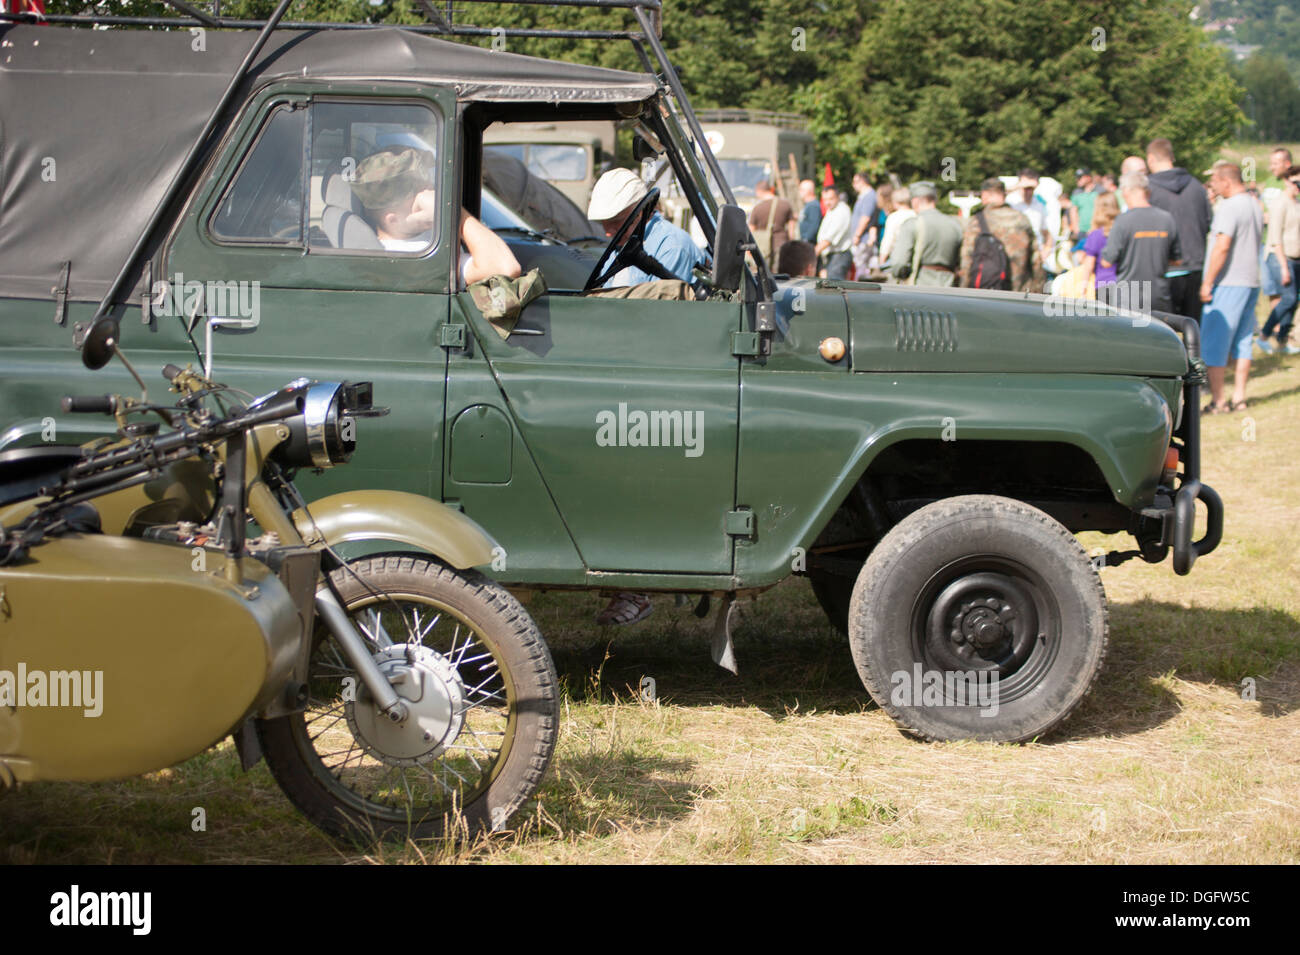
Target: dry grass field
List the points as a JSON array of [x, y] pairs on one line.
[[1165, 762]]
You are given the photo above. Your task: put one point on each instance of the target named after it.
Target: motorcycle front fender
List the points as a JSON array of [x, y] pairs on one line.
[[399, 517]]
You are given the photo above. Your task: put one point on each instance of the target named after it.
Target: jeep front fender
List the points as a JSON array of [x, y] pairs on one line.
[[398, 517]]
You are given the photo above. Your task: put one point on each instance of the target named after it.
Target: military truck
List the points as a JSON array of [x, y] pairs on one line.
[[570, 156], [924, 456], [760, 144]]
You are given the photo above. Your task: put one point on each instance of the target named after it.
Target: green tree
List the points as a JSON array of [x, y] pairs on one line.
[[965, 87], [982, 87], [1271, 101]]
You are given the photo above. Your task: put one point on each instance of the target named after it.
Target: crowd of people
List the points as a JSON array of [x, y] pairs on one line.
[[1155, 238]]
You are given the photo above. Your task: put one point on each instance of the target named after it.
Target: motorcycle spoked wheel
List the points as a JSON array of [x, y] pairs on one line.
[[357, 777]]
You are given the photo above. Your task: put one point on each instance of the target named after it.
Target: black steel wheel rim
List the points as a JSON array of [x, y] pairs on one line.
[[987, 613]]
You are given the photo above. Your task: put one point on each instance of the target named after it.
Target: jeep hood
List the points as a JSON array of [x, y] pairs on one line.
[[899, 328]]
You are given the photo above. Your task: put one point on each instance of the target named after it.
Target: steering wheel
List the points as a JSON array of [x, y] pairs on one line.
[[627, 241]]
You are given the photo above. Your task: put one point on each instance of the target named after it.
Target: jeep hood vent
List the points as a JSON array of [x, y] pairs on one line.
[[924, 330], [896, 329]]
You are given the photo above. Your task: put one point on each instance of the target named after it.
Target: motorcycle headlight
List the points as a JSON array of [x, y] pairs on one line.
[[324, 433]]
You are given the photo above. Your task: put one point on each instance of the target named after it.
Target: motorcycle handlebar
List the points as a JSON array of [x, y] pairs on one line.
[[89, 404]]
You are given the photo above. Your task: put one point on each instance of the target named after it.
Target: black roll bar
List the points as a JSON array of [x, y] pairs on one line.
[[126, 277]]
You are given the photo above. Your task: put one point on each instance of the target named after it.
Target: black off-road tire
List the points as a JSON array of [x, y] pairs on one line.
[[527, 679], [979, 583]]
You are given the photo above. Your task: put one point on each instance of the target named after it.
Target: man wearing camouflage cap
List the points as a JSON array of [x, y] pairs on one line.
[[393, 186]]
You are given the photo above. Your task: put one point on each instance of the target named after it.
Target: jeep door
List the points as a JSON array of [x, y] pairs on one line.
[[627, 409], [276, 216]]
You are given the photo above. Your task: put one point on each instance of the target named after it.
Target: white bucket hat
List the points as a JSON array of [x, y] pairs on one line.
[[615, 191]]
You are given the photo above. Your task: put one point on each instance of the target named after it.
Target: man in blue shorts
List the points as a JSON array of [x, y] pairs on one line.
[[1270, 275], [1230, 286]]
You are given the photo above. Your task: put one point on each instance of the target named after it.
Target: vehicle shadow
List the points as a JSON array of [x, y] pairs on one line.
[[794, 663], [785, 665], [621, 790], [1255, 653], [1271, 397]]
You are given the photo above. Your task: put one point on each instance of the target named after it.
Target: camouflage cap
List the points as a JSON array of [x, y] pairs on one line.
[[390, 175]]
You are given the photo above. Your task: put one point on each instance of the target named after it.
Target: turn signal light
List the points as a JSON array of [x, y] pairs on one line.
[[1171, 467]]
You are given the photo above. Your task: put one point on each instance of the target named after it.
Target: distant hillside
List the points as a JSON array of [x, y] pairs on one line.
[[1261, 38], [1246, 27]]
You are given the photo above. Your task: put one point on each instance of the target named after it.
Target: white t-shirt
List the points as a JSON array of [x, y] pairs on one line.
[[892, 223], [1034, 211], [419, 245], [406, 245], [835, 228]]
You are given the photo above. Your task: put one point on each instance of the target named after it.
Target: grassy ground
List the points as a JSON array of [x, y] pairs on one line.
[[1165, 763]]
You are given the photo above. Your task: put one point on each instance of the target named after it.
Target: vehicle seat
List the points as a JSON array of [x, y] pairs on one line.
[[341, 219]]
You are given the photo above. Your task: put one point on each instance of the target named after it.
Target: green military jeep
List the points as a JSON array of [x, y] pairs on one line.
[[923, 456]]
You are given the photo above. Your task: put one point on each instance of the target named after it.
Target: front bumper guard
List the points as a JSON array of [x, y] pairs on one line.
[[1179, 519]]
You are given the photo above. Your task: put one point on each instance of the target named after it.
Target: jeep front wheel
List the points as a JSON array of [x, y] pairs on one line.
[[978, 617]]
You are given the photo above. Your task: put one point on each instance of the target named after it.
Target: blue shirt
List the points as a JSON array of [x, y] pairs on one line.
[[810, 219], [672, 248], [864, 208]]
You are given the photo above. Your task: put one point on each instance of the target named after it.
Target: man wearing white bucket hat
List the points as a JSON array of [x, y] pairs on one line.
[[613, 199]]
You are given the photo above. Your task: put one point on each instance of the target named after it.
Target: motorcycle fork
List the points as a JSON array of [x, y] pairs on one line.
[[268, 513]]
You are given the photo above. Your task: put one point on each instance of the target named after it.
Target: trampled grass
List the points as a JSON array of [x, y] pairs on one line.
[[1165, 762]]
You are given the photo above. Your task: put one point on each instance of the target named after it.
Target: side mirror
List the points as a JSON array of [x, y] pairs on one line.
[[642, 149], [728, 249], [97, 347]]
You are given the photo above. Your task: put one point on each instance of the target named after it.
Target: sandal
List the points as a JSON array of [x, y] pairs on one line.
[[1239, 406], [624, 609], [1212, 408]]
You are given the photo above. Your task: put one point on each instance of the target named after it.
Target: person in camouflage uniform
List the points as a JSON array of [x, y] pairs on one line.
[[1016, 233], [940, 250]]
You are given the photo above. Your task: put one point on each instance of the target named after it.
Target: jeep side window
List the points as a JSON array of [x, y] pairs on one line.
[[370, 187], [363, 155], [263, 204]]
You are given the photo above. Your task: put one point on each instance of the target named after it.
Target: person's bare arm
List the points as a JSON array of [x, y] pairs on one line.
[[1218, 256], [489, 254], [863, 225]]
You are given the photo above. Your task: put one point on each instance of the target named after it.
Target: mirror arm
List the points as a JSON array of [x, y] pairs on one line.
[[144, 392]]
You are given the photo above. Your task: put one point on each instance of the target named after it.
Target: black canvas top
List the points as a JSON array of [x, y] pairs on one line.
[[95, 123]]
